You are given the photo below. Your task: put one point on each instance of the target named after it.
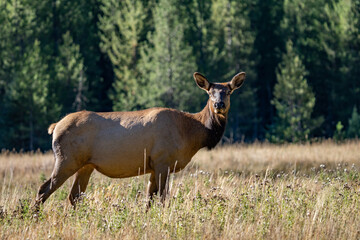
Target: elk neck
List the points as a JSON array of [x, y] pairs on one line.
[[213, 126]]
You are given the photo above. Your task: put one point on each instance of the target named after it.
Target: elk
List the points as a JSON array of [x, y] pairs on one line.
[[113, 143]]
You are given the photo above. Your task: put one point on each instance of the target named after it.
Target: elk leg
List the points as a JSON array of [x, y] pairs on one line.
[[161, 179], [80, 183], [152, 189], [53, 183], [60, 174]]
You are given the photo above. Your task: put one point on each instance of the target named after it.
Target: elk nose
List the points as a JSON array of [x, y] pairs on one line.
[[219, 105]]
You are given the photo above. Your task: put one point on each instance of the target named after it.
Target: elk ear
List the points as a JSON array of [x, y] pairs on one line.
[[201, 81], [237, 81]]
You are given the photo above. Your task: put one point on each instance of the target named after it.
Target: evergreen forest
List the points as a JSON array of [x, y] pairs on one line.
[[301, 57]]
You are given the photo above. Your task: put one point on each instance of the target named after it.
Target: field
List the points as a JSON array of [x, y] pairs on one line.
[[257, 191]]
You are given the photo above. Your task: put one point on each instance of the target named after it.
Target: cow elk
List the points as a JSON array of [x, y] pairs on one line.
[[113, 143]]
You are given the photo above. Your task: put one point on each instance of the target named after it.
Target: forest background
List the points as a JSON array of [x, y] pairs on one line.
[[302, 59]]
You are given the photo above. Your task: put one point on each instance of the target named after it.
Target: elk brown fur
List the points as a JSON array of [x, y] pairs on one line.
[[113, 143]]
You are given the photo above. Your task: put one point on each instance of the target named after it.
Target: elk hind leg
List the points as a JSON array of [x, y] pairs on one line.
[[62, 171], [80, 183]]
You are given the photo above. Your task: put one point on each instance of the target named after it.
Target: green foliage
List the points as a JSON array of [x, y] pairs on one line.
[[234, 39], [266, 17], [354, 124], [293, 99], [16, 31], [30, 106], [167, 63], [122, 24], [42, 177], [319, 31], [339, 132], [70, 76], [353, 60], [132, 54], [80, 18], [16, 22], [199, 33], [334, 37]]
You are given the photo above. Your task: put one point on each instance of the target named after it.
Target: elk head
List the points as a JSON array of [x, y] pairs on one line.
[[219, 93]]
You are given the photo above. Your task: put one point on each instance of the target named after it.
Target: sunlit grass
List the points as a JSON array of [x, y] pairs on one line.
[[235, 192]]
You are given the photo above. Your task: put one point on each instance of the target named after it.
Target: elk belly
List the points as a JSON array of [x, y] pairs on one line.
[[120, 152]]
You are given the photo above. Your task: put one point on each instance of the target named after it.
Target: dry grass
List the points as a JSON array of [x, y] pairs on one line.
[[259, 157], [256, 191]]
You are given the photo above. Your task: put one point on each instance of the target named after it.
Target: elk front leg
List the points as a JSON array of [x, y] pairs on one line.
[[161, 179], [152, 189]]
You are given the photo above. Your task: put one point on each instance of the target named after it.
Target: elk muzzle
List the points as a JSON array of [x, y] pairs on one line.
[[219, 107]]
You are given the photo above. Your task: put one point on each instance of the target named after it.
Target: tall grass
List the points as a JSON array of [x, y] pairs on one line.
[[256, 191]]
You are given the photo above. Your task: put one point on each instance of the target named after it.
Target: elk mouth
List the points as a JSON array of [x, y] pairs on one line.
[[219, 111]]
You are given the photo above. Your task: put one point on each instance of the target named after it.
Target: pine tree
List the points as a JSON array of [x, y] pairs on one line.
[[16, 33], [30, 106], [121, 27], [70, 76], [354, 124], [2, 49], [293, 99], [167, 63], [80, 18], [319, 30], [3, 74], [234, 39], [334, 37], [265, 18], [352, 92], [196, 19]]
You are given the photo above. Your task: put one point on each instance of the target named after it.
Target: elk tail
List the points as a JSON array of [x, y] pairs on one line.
[[51, 128]]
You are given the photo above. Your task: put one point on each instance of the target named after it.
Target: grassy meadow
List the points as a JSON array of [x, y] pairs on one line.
[[257, 191]]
